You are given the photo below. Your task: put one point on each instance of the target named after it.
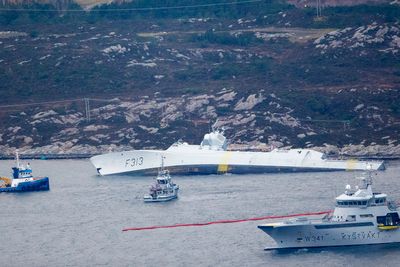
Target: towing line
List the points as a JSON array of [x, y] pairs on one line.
[[225, 221]]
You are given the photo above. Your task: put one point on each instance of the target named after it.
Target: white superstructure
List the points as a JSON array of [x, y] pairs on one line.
[[211, 157], [361, 217]]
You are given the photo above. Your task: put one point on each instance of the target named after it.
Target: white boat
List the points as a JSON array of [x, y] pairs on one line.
[[361, 217], [163, 189], [211, 157]]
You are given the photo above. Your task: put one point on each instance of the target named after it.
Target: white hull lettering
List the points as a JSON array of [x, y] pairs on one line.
[[132, 162]]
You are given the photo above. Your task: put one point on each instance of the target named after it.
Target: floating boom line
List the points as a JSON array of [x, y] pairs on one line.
[[226, 221]]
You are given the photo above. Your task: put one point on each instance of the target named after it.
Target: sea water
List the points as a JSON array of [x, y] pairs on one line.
[[79, 221]]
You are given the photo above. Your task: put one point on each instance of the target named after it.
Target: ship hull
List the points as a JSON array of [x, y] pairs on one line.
[[213, 169], [192, 160], [41, 184], [329, 235], [149, 198]]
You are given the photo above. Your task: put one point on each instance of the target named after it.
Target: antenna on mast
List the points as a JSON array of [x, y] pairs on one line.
[[214, 125]]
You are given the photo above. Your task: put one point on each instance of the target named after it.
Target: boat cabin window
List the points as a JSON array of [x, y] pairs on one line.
[[351, 218], [389, 219], [380, 200], [366, 215], [351, 203]]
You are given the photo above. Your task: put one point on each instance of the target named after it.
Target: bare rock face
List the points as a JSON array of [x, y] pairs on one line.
[[225, 97], [159, 122], [383, 37], [375, 150], [95, 128], [249, 103], [251, 121], [197, 102], [28, 140], [12, 34]]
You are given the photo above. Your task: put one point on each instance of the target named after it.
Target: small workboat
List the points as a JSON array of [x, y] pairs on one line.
[[361, 217], [163, 189], [23, 180]]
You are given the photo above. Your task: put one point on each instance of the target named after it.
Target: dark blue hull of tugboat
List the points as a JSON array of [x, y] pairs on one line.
[[41, 184]]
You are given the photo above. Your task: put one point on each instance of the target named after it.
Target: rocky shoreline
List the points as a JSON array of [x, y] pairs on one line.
[[382, 152]]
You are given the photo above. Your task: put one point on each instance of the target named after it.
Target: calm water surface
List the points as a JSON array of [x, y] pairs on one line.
[[79, 221]]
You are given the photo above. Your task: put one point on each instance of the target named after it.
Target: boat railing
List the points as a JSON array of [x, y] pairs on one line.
[[303, 220], [281, 150]]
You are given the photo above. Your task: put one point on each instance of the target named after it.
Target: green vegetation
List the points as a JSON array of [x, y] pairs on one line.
[[216, 11], [46, 15], [258, 67], [139, 10], [267, 12], [191, 91]]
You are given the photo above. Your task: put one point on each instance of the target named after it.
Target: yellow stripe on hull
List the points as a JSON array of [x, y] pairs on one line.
[[223, 166], [351, 164], [388, 227]]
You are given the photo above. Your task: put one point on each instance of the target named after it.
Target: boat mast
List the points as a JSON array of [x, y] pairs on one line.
[[162, 162], [17, 158], [368, 178], [213, 127]]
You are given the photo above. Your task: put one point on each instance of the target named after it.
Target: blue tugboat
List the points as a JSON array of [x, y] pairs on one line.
[[23, 181]]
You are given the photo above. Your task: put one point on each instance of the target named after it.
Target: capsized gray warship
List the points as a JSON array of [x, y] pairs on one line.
[[361, 217], [212, 157]]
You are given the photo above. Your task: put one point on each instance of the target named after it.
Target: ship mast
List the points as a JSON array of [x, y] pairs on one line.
[[17, 158], [161, 169]]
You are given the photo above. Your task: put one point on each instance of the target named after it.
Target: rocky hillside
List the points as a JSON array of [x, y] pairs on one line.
[[252, 121], [153, 82], [62, 4]]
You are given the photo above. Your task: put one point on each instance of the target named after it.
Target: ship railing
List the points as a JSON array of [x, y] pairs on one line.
[[304, 220]]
